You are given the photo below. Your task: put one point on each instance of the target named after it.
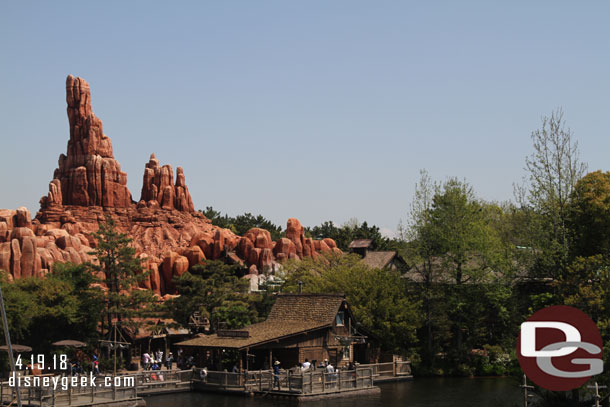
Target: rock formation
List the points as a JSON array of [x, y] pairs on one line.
[[88, 175], [168, 235], [158, 189]]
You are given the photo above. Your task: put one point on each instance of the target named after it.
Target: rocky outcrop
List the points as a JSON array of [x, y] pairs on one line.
[[88, 174], [29, 249], [158, 189], [168, 235]]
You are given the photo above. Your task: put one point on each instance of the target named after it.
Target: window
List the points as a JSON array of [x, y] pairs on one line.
[[346, 352], [340, 318]]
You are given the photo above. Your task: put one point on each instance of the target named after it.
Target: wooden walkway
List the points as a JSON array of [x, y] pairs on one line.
[[127, 390]]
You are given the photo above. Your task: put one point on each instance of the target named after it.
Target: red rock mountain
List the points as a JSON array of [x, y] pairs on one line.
[[168, 234]]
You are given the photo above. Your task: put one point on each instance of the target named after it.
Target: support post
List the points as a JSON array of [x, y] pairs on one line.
[[310, 381], [323, 381], [7, 337], [525, 387], [597, 396]]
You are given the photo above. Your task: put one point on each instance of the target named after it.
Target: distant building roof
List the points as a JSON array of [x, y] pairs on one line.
[[361, 244], [443, 273], [379, 260], [290, 315]]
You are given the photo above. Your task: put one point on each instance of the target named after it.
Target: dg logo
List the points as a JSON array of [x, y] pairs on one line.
[[559, 348]]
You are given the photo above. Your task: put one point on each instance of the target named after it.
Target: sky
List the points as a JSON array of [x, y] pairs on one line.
[[319, 110]]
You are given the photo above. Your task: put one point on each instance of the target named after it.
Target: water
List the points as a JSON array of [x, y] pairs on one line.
[[434, 392]]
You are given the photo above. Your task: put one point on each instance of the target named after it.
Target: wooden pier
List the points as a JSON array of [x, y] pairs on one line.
[[312, 384], [127, 390]]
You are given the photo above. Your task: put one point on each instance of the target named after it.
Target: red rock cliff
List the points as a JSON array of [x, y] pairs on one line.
[[88, 174], [168, 235]]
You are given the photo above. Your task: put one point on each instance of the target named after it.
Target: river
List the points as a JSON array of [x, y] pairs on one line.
[[433, 392]]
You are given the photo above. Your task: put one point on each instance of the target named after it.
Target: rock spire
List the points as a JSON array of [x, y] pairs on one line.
[[88, 174]]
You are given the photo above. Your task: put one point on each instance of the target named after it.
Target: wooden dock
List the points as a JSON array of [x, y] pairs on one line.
[[127, 390]]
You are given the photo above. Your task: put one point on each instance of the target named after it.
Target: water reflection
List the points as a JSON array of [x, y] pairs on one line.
[[479, 392]]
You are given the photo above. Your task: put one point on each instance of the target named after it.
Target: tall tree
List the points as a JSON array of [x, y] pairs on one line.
[[452, 242], [552, 172], [422, 252], [122, 272], [214, 290]]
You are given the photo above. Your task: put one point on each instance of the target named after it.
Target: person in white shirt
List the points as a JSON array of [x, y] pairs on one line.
[[306, 364], [330, 368]]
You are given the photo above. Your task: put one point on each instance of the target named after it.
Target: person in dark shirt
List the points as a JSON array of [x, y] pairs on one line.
[[276, 374]]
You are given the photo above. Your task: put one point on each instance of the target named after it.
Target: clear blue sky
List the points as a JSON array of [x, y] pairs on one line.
[[320, 110]]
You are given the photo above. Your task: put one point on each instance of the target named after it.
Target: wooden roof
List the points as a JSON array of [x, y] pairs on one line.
[[379, 260], [360, 244], [291, 314]]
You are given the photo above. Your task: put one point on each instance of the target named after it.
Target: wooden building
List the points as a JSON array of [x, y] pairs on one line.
[[388, 259], [299, 327]]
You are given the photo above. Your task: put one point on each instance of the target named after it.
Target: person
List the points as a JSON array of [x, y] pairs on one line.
[[169, 361], [203, 374], [329, 367], [76, 369], [306, 364], [179, 359], [96, 365], [159, 356], [155, 366], [276, 374], [235, 368], [146, 361]]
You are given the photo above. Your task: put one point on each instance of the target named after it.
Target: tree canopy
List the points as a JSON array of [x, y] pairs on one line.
[[379, 298], [240, 224]]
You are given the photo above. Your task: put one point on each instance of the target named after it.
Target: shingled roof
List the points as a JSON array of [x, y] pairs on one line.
[[291, 314], [379, 260]]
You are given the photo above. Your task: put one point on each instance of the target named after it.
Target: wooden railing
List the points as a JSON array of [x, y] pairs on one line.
[[164, 381], [389, 370], [309, 382], [65, 392]]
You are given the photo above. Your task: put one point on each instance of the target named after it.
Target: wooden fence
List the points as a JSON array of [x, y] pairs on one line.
[[309, 382], [106, 388]]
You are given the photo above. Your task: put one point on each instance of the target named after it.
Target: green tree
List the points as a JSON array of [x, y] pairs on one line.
[[421, 251], [240, 224], [553, 170], [451, 241], [589, 215], [379, 298], [214, 290], [122, 271], [40, 311], [343, 235], [90, 298]]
